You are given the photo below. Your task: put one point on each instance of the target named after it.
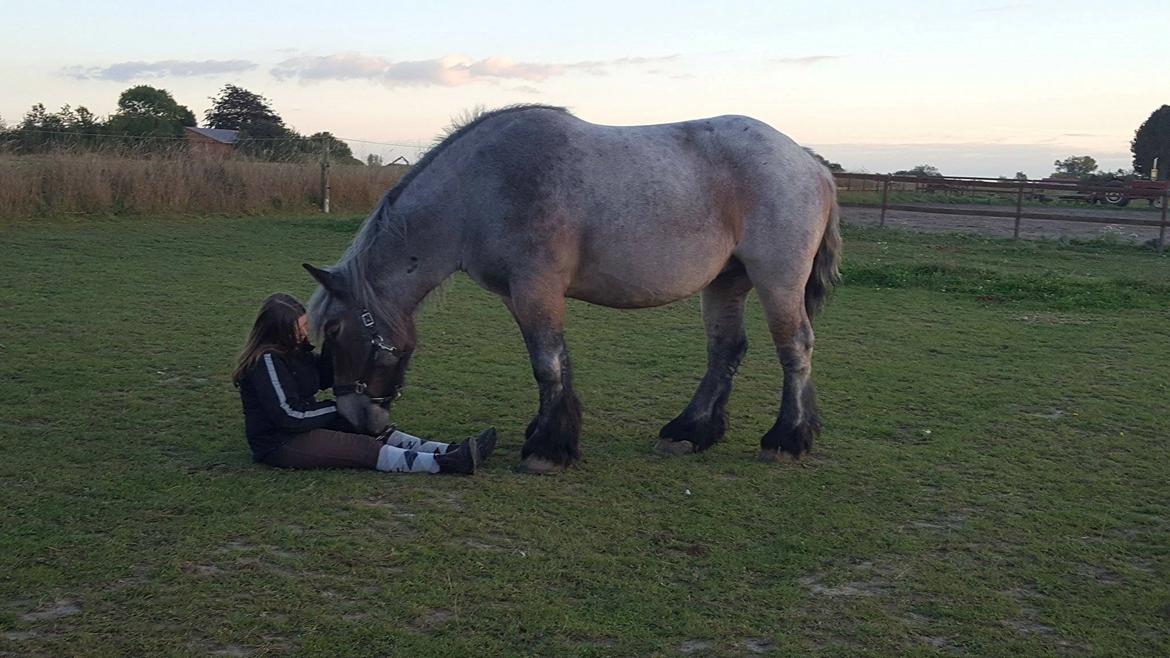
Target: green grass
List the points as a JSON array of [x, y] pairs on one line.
[[992, 479]]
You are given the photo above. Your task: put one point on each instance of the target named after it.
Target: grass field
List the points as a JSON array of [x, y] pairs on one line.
[[994, 476]]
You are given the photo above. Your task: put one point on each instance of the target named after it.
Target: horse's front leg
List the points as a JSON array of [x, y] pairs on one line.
[[551, 438]]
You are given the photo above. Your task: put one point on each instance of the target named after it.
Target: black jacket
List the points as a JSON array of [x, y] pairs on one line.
[[279, 397]]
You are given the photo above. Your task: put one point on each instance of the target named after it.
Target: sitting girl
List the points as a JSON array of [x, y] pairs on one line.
[[279, 375]]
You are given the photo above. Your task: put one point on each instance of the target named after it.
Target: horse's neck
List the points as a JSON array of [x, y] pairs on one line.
[[409, 271]]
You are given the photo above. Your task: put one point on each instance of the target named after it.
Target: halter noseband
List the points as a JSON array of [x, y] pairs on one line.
[[375, 345]]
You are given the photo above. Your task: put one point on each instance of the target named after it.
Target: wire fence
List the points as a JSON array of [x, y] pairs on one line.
[[1008, 199]]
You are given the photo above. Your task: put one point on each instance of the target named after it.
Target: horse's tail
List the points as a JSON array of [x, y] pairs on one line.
[[826, 264]]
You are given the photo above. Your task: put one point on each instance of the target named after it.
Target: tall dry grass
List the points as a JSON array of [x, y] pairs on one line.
[[80, 183]]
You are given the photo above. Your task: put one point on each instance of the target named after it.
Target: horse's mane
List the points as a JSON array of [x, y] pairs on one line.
[[354, 265]]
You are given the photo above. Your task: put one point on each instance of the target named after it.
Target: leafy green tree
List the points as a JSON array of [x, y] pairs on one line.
[[1075, 166], [236, 108], [920, 171], [372, 160], [831, 166], [146, 111], [1021, 176], [339, 151], [1152, 140], [38, 118]]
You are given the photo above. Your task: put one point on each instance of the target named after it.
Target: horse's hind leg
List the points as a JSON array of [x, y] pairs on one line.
[[704, 421], [551, 437], [792, 332]]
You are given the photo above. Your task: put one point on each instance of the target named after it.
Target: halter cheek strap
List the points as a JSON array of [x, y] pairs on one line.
[[376, 344]]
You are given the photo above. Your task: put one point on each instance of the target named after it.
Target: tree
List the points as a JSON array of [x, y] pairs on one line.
[[38, 118], [831, 166], [1152, 140], [236, 108], [920, 171], [146, 111], [1021, 175], [1075, 166], [372, 160]]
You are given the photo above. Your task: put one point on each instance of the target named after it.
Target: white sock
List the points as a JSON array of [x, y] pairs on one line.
[[392, 459], [400, 439]]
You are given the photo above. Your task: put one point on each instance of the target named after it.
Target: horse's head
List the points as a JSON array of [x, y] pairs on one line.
[[370, 353]]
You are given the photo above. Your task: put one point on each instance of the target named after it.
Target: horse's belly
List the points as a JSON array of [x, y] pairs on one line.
[[637, 275]]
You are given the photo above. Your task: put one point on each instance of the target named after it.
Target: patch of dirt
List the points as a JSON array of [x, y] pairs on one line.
[[60, 608], [935, 641], [691, 647], [1027, 627], [1027, 624], [1099, 574], [758, 645], [432, 620], [237, 545], [951, 521], [455, 500], [281, 553], [845, 589], [878, 579], [141, 576], [201, 569]]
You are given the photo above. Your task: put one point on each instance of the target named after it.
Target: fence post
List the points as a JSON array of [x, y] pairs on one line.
[[1019, 210], [885, 201], [1162, 228], [325, 176]]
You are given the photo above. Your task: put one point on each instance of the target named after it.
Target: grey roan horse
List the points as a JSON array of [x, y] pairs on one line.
[[536, 205]]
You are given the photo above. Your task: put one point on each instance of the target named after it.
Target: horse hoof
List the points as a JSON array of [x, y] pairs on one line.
[[535, 465], [777, 457], [666, 447]]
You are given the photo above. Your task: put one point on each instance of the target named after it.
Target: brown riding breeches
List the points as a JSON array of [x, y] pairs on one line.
[[326, 449]]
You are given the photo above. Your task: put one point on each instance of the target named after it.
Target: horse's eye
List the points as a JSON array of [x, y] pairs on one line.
[[331, 330]]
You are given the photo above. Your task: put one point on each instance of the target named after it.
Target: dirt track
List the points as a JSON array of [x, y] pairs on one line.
[[1032, 229]]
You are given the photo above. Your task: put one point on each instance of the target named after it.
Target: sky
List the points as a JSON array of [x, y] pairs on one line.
[[980, 88]]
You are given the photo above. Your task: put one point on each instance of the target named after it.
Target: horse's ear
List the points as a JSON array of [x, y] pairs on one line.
[[330, 281]]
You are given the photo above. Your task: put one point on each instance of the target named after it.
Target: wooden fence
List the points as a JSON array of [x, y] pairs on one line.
[[1017, 190]]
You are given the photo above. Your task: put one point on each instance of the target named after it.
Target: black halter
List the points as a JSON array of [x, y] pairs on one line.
[[375, 345]]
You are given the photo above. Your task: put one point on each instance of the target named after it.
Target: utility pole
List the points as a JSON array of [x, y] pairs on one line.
[[325, 176]]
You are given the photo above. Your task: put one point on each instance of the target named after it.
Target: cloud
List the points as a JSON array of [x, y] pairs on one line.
[[169, 68], [448, 71], [808, 60], [526, 89]]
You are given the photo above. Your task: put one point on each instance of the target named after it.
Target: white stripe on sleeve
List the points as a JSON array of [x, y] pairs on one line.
[[299, 415]]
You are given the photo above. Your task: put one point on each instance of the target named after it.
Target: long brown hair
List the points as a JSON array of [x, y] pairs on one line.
[[275, 330]]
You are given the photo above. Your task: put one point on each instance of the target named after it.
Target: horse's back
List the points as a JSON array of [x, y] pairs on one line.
[[645, 215]]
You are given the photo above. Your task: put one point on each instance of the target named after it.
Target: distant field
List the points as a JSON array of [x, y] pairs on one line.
[[992, 479]]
